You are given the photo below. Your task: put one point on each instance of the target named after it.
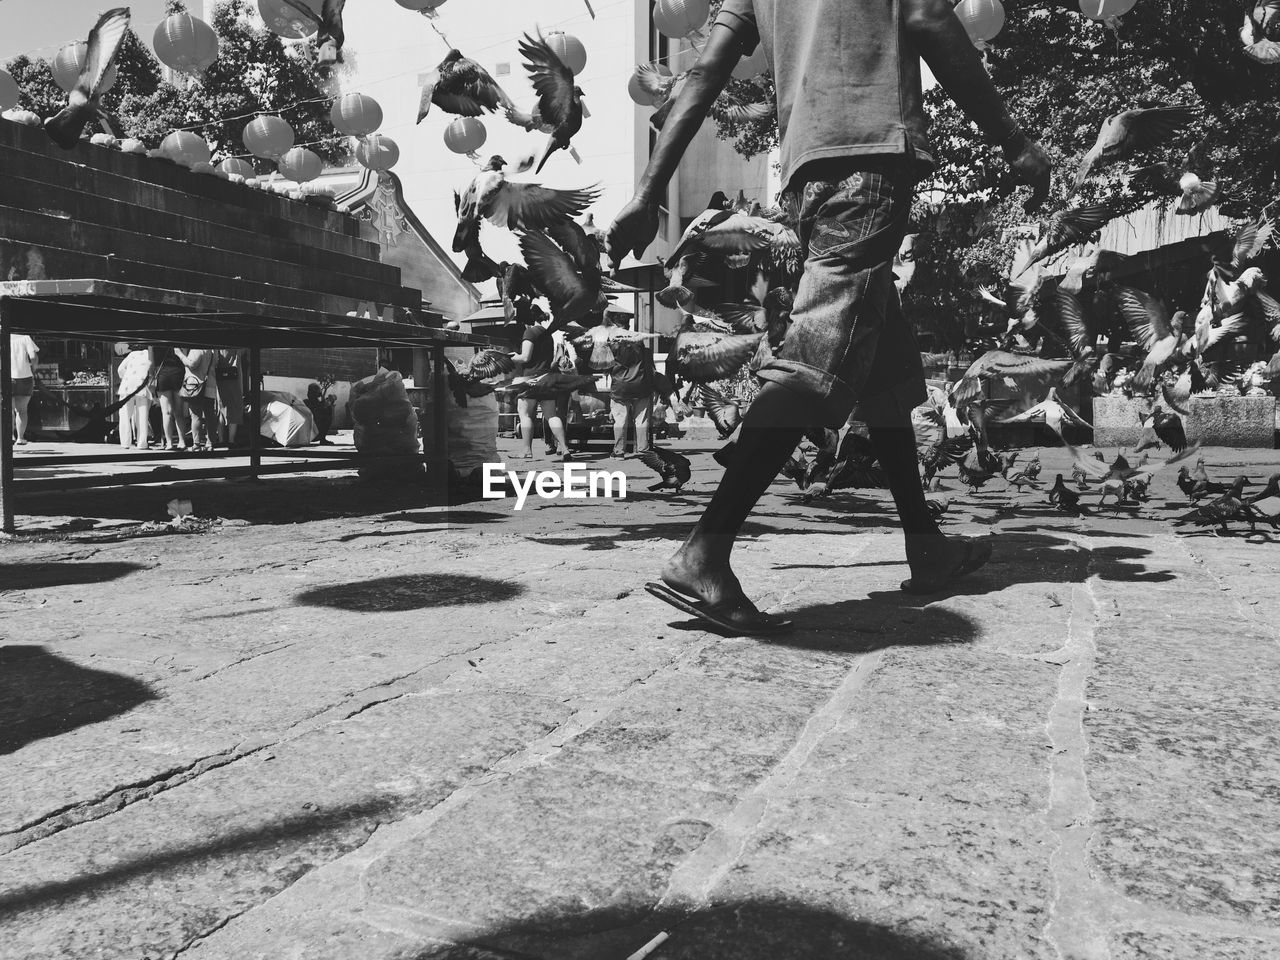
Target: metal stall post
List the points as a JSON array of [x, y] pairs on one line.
[[438, 455], [255, 411], [6, 423]]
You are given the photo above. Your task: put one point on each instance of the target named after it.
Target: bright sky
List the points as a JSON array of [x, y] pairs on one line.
[[40, 27]]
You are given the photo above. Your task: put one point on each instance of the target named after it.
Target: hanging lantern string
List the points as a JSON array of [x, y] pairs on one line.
[[440, 34], [395, 76]]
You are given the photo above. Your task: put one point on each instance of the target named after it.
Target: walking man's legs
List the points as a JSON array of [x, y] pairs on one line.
[[848, 346]]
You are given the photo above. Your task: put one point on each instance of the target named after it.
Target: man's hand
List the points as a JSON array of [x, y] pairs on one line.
[[1030, 165], [633, 230]]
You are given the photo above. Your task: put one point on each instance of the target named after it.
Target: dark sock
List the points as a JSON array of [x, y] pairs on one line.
[[896, 450]]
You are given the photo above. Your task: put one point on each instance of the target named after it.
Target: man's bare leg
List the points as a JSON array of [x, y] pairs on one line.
[[700, 568], [932, 557]]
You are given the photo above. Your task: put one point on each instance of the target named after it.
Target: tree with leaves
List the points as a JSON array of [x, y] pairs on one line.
[[1062, 74], [255, 73]]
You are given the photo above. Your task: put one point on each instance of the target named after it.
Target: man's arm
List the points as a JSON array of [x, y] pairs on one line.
[[637, 224], [941, 40]]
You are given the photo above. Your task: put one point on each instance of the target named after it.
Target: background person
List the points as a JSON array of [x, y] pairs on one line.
[[534, 360], [199, 392], [169, 374], [631, 395], [230, 384], [134, 417], [23, 353]]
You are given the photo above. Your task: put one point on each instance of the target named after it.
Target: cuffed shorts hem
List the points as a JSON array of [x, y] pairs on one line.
[[832, 398], [835, 402]]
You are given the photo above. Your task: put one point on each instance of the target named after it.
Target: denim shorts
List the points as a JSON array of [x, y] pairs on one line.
[[850, 346]]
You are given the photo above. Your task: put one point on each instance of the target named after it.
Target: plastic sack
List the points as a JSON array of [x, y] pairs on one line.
[[286, 420], [386, 423], [473, 432]]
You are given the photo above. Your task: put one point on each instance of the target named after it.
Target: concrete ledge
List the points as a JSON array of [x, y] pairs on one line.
[[1215, 421]]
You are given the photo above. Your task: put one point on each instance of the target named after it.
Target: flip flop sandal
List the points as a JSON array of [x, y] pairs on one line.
[[733, 619], [979, 553]]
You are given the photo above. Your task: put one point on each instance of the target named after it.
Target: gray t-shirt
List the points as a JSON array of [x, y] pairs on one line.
[[848, 82]]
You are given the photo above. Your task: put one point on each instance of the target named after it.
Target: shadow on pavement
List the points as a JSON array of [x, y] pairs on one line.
[[416, 591], [61, 573], [274, 500], [612, 535], [739, 929], [43, 695], [281, 835], [428, 522]]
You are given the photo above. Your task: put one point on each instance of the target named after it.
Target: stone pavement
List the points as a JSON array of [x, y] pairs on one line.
[[353, 727]]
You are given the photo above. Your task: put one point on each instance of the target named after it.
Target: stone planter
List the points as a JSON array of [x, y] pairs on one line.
[[1215, 421]]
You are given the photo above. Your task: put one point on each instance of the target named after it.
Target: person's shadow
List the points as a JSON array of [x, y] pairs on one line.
[[884, 618], [731, 929]]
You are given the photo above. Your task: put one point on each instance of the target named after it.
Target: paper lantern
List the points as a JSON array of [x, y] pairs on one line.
[[69, 61], [241, 168], [185, 43], [356, 115], [9, 91], [378, 152], [465, 135], [638, 94], [185, 147], [268, 137], [569, 49], [1106, 9], [982, 19], [420, 5], [132, 145], [679, 18], [285, 20], [300, 165], [752, 66]]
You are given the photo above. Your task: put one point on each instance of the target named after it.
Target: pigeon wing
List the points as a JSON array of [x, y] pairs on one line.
[[1146, 316], [104, 43], [1251, 240], [428, 94], [552, 80], [653, 82], [1072, 226], [491, 363], [1155, 125], [720, 358], [654, 460], [530, 206], [552, 270]]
